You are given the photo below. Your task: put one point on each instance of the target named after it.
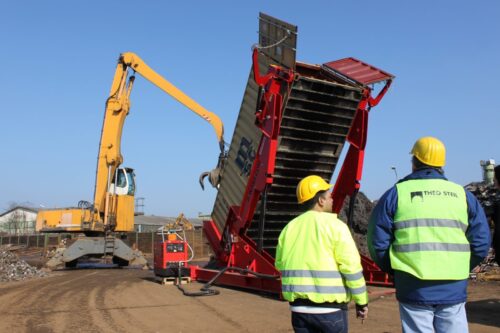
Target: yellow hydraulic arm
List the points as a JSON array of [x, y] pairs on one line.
[[117, 108], [113, 206], [133, 61]]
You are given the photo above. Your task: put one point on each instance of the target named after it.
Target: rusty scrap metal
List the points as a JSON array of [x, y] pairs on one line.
[[487, 195], [14, 269]]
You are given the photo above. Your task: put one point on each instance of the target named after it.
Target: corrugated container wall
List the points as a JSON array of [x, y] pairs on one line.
[[246, 136]]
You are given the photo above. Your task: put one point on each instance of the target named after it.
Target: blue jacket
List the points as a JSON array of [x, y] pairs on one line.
[[410, 289]]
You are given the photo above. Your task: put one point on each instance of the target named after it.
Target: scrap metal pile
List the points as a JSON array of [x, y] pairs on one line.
[[487, 195], [359, 225], [14, 269]]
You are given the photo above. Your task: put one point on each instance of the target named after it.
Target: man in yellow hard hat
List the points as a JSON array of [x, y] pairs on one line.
[[319, 263], [429, 232]]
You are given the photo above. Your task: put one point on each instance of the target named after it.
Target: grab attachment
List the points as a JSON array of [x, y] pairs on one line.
[[214, 175]]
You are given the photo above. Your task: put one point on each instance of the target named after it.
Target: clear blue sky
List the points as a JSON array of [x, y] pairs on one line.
[[58, 60]]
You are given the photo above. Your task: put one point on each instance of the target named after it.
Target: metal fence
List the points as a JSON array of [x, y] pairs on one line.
[[143, 241]]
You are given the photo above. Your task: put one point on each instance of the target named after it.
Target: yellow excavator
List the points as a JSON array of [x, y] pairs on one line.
[[181, 222], [112, 211]]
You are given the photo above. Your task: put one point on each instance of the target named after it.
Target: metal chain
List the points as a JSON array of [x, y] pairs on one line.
[[259, 47]]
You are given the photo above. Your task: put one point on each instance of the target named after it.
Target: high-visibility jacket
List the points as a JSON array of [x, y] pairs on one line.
[[319, 261], [429, 230]]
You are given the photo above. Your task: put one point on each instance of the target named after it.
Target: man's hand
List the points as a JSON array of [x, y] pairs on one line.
[[362, 311]]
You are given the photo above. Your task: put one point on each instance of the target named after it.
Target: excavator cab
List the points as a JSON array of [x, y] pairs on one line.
[[123, 182]]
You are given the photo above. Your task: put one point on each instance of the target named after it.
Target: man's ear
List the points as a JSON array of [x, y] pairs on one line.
[[321, 201]]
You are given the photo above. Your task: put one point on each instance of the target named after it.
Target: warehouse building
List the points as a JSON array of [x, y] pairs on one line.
[[19, 220]]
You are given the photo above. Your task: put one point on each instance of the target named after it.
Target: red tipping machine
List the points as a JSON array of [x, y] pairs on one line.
[[294, 121]]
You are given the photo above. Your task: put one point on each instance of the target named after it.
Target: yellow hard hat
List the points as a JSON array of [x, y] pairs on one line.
[[430, 151], [309, 186]]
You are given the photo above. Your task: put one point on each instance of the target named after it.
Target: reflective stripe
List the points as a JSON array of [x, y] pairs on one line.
[[313, 309], [353, 276], [449, 247], [293, 288], [430, 223], [359, 290], [305, 273]]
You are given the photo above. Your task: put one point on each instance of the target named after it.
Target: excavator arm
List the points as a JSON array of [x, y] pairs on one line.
[[138, 65], [117, 108]]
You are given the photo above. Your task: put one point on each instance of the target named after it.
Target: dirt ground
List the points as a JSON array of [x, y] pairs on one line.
[[129, 300]]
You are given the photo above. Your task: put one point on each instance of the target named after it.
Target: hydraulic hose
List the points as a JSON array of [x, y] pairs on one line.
[[206, 291]]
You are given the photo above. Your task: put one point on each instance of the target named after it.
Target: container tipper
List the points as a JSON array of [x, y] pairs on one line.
[[294, 121]]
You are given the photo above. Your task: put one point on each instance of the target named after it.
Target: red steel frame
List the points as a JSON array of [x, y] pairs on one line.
[[233, 248], [348, 180]]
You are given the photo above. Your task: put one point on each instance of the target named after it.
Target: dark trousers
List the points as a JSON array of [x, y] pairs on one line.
[[334, 322]]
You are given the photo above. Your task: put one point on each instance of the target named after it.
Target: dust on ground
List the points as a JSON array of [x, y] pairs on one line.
[[130, 300]]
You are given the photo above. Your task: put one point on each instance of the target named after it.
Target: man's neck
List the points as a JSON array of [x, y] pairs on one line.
[[317, 208]]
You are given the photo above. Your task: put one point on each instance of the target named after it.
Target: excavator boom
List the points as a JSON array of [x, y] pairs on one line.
[[117, 108], [133, 61]]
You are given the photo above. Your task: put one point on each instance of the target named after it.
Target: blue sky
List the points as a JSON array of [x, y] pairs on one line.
[[58, 60]]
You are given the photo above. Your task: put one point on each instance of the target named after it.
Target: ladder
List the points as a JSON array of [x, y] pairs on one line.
[[109, 248]]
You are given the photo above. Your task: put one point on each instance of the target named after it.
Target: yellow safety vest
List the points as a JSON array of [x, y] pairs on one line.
[[429, 229], [319, 261]]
